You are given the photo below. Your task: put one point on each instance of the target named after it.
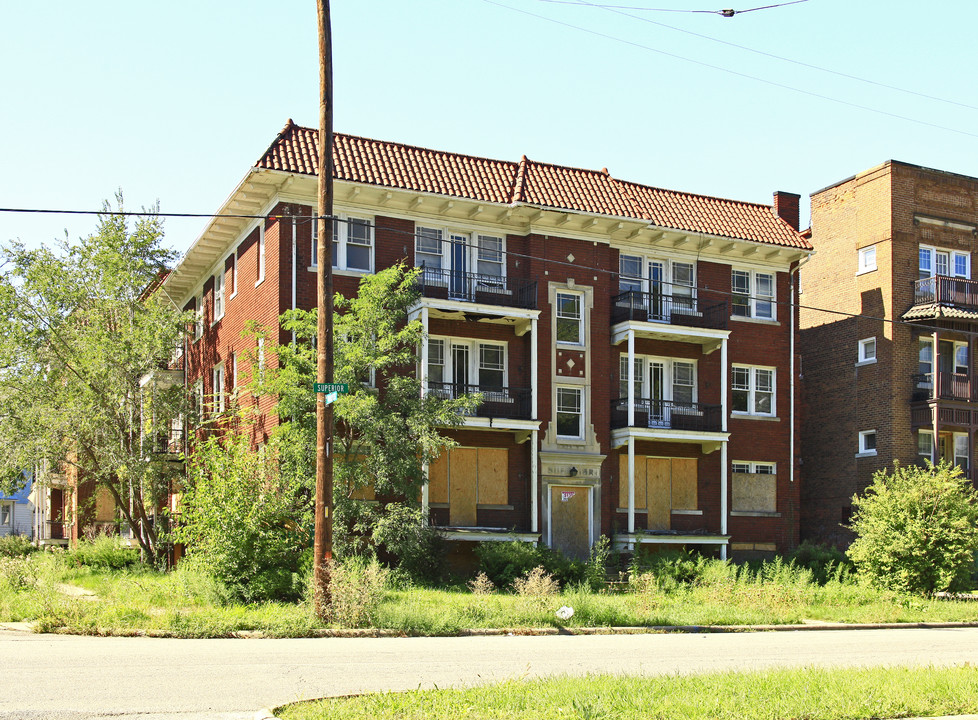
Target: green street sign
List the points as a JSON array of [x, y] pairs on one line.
[[342, 388]]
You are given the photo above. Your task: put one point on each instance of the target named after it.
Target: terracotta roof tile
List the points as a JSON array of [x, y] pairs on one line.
[[407, 167]]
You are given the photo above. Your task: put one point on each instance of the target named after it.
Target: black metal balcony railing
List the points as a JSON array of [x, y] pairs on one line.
[[477, 288], [671, 309], [668, 414], [169, 442], [497, 402], [946, 290], [949, 386]]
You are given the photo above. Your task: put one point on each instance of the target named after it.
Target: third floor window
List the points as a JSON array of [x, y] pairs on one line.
[[934, 261]]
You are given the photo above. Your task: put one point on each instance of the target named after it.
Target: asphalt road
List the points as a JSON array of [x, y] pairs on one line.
[[57, 676]]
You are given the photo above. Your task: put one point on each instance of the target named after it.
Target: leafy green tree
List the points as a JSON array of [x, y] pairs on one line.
[[385, 429], [916, 529], [78, 333]]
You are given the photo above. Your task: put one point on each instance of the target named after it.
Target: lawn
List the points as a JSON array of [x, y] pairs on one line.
[[809, 694], [44, 588]]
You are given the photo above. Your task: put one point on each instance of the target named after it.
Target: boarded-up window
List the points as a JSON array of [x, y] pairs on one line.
[[466, 478], [104, 505], [754, 492], [661, 486]]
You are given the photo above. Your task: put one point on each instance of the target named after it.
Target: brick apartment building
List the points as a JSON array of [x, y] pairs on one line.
[[542, 287], [892, 378]]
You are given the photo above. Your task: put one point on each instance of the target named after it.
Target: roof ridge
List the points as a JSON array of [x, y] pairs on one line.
[[518, 192]]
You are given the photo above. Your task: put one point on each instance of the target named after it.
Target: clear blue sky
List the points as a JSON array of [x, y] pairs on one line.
[[174, 101]]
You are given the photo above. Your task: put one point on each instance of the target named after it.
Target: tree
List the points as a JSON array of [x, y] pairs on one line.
[[385, 430], [79, 331], [916, 529]]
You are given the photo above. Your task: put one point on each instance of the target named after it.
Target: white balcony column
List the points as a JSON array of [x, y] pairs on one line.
[[424, 353], [533, 371], [534, 480], [631, 385], [724, 384], [631, 485], [723, 495], [424, 495]]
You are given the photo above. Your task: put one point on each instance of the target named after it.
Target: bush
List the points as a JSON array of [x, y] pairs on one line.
[[16, 546], [104, 553], [669, 568], [824, 561], [916, 529], [504, 562], [405, 541], [356, 591]]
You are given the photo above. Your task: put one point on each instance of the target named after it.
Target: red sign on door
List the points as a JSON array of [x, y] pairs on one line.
[[566, 495]]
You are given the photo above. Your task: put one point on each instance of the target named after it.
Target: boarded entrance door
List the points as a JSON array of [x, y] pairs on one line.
[[569, 515]]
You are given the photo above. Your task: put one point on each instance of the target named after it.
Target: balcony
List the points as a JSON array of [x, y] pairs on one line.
[[497, 402], [168, 442], [944, 290], [950, 386], [682, 310], [668, 415], [444, 284]]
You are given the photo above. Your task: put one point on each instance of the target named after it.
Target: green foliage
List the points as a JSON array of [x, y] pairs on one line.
[[596, 568], [824, 561], [77, 335], [243, 521], [916, 529], [505, 562], [356, 592], [16, 546], [410, 544], [669, 568], [104, 553]]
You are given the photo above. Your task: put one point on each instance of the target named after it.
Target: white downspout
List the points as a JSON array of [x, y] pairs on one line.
[[295, 263]]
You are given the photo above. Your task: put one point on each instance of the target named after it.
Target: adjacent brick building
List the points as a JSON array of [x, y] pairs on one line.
[[888, 376], [633, 345]]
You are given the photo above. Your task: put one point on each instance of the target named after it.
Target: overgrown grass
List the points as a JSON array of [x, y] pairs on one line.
[[812, 694], [189, 603]]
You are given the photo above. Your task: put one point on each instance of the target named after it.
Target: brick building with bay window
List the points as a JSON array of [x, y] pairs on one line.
[[633, 345]]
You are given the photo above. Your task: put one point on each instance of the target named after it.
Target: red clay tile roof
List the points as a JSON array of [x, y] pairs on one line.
[[395, 165]]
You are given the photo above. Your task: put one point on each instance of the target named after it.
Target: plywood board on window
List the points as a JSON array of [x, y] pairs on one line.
[[493, 468], [753, 492], [640, 481], [104, 505], [659, 493], [438, 479], [463, 464], [684, 479]]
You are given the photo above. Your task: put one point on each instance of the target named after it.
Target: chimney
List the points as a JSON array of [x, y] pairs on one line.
[[786, 207]]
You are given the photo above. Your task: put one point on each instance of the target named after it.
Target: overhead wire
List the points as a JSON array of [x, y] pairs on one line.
[[729, 71], [474, 246]]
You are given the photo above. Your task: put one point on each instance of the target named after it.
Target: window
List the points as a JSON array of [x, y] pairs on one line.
[[6, 514], [867, 443], [234, 373], [753, 390], [490, 256], [570, 320], [754, 487], [428, 248], [630, 273], [683, 382], [623, 376], [218, 373], [867, 260], [570, 414], [961, 454], [353, 241], [960, 358], [867, 350], [199, 316], [261, 255], [925, 445], [436, 361], [468, 364], [492, 366], [218, 296], [231, 268], [753, 294], [933, 261]]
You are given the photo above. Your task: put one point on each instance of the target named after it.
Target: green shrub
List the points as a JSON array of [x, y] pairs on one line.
[[824, 561], [406, 542], [916, 529], [504, 562], [16, 546], [670, 568], [357, 588], [596, 568], [104, 553]]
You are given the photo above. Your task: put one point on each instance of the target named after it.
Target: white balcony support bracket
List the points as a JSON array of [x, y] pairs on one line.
[[533, 370], [631, 486], [534, 478], [631, 385], [723, 496]]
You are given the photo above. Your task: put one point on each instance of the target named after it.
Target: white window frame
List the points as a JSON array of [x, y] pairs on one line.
[[866, 260], [863, 351], [342, 222], [751, 467], [932, 254], [437, 234], [218, 297], [198, 315], [579, 319], [475, 359], [261, 254], [6, 506], [956, 437], [921, 434], [217, 378], [753, 391], [234, 274], [569, 390], [864, 449], [478, 258], [643, 389], [755, 302]]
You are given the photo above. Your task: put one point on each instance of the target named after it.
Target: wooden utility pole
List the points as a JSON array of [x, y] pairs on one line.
[[323, 542]]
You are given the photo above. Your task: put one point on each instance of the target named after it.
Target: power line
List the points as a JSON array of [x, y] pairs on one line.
[[728, 12], [617, 10], [475, 246], [736, 73]]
